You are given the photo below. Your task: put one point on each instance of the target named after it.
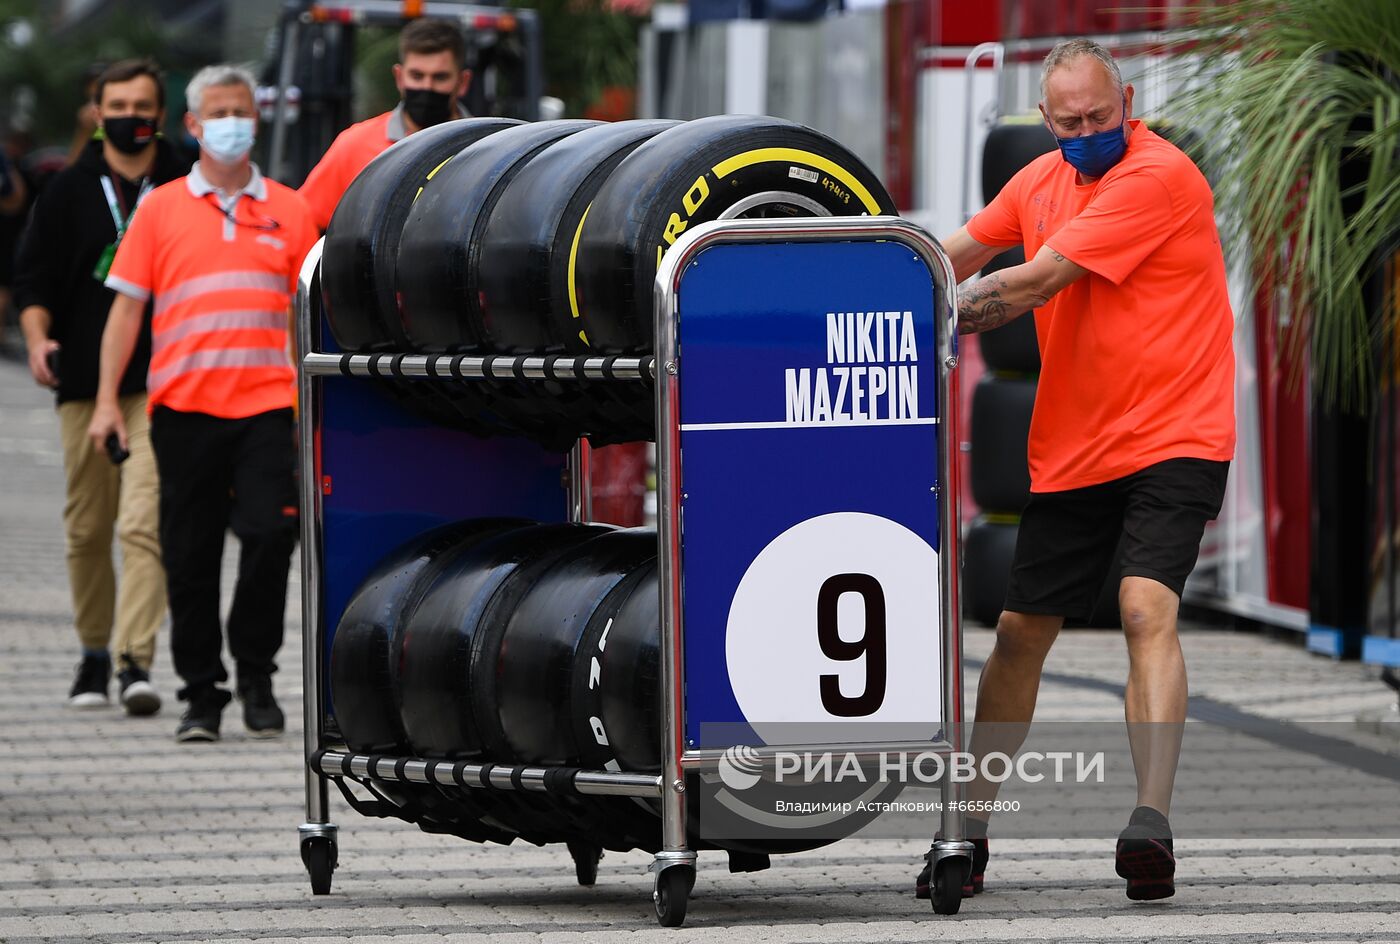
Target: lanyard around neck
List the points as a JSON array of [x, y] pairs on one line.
[[118, 220]]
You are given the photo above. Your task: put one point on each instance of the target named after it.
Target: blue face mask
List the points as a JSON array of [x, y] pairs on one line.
[[1093, 155], [227, 140]]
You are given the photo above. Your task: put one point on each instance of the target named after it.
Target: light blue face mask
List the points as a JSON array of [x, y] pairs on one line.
[[228, 140], [1094, 155]]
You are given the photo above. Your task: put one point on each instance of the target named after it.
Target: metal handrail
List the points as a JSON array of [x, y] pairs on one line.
[[476, 367], [979, 52], [525, 777]]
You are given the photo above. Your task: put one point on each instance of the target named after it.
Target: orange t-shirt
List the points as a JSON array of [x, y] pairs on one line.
[[1137, 364], [348, 154], [221, 290]]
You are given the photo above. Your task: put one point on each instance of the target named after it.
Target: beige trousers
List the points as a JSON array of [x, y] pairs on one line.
[[103, 497]]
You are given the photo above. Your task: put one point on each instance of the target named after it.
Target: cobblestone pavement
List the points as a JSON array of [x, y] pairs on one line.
[[112, 832]]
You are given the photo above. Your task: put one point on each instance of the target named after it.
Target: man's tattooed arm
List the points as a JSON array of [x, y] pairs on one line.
[[981, 306], [1011, 292]]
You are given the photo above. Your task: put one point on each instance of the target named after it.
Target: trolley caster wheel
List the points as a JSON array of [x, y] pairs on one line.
[[319, 854], [672, 893], [947, 885], [586, 859]]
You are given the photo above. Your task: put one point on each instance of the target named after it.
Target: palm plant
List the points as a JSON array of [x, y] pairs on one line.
[[1302, 102]]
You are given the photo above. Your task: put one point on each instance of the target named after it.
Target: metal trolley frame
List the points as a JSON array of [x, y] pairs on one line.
[[674, 866]]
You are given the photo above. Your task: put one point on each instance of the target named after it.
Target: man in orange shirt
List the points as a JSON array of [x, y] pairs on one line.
[[1134, 423], [218, 252], [431, 77]]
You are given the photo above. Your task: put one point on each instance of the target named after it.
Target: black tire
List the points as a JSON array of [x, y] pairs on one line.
[[1012, 348], [361, 248], [319, 855], [946, 888], [529, 242], [483, 687], [615, 702], [1009, 147], [367, 646], [626, 698], [671, 894], [988, 550], [459, 622], [1001, 423], [440, 640], [702, 170], [440, 252], [541, 650]]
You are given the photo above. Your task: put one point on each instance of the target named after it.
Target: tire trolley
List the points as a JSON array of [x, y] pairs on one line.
[[802, 594]]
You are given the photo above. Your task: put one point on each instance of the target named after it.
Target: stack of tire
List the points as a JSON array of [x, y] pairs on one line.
[[1001, 402], [489, 237], [504, 642]]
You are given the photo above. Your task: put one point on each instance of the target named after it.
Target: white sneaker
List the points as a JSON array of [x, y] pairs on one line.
[[86, 701], [140, 698]]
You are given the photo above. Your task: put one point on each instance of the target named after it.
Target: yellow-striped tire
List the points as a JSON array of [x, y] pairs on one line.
[[526, 251], [711, 168], [439, 253]]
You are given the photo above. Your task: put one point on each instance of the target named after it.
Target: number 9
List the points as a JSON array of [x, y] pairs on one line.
[[872, 644]]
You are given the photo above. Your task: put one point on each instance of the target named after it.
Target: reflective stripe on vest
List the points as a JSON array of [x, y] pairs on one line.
[[219, 282], [220, 321], [218, 358]]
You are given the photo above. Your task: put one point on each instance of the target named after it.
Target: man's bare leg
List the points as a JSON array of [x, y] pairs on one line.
[[1155, 707], [1155, 701], [1007, 691], [1006, 695]]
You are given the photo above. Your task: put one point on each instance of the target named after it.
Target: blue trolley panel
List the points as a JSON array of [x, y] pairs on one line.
[[810, 514], [389, 475]]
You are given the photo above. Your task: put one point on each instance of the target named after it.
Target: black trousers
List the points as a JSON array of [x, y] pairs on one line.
[[218, 474]]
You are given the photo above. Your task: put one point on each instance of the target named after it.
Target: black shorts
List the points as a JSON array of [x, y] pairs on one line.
[[1066, 542]]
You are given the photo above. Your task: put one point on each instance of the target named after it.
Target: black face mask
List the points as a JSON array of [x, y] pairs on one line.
[[131, 134], [427, 107]]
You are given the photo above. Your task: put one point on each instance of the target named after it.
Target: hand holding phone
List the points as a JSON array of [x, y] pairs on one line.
[[115, 452]]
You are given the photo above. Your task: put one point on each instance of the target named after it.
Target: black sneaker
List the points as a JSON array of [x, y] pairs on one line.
[[261, 716], [90, 685], [138, 695], [975, 880], [200, 722], [1145, 857]]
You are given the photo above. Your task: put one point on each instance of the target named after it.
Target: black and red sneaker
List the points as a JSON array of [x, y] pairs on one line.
[[1145, 857], [974, 881]]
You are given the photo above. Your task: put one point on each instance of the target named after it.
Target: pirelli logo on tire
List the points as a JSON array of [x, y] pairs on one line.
[[691, 203], [803, 166]]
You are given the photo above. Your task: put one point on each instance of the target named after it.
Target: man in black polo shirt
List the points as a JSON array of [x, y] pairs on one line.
[[63, 257]]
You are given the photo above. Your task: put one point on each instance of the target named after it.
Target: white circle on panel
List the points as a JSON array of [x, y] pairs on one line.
[[836, 624]]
